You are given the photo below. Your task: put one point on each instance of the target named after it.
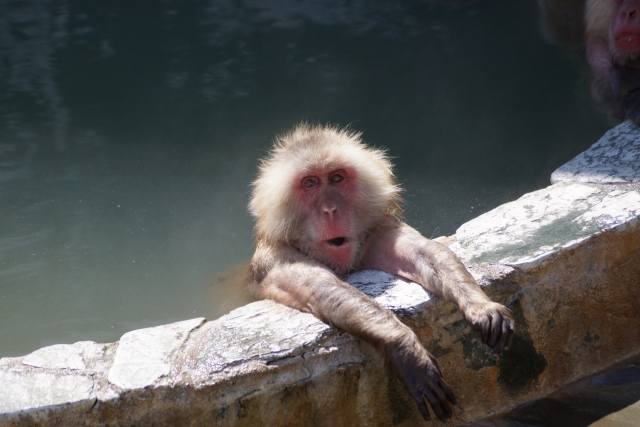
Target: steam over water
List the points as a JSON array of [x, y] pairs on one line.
[[130, 131]]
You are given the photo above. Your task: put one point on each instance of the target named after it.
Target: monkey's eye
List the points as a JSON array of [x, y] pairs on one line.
[[336, 178], [309, 182]]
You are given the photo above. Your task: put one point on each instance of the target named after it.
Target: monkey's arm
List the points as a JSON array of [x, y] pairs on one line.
[[285, 275], [401, 250]]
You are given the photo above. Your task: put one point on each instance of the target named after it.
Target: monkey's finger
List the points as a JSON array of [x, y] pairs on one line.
[[494, 335], [442, 399], [512, 332], [422, 405], [484, 332], [504, 336], [437, 404], [447, 391]]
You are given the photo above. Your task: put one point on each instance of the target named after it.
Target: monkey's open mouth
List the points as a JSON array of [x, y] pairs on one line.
[[337, 241]]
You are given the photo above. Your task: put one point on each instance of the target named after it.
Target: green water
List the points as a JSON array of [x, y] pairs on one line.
[[130, 131]]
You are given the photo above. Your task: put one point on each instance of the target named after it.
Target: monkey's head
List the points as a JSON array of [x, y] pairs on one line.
[[320, 189]]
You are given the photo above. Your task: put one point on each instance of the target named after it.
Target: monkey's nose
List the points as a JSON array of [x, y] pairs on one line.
[[629, 11], [338, 241], [329, 211]]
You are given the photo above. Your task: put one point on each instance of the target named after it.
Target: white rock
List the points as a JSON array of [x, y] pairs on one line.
[[145, 355], [27, 390], [59, 356], [263, 330], [614, 158], [390, 291], [530, 230]]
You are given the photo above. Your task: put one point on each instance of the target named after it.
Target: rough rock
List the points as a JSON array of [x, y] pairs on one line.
[[59, 356], [261, 331], [404, 298], [614, 158], [23, 390], [539, 225], [61, 377], [146, 355]]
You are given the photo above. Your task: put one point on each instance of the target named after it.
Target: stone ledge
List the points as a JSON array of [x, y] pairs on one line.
[[540, 225], [615, 158], [570, 251]]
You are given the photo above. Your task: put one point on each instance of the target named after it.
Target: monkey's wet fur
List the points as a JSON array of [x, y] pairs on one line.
[[327, 205]]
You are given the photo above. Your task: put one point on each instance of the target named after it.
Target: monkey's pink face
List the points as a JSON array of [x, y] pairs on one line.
[[625, 27], [327, 199]]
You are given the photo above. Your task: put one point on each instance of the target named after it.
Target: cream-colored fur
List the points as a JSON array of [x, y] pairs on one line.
[[598, 16], [307, 148]]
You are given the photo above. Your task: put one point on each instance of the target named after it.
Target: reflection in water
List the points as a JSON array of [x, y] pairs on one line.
[[30, 35], [130, 131], [607, 33], [613, 50]]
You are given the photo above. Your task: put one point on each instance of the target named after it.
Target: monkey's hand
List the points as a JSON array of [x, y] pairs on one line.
[[494, 322], [421, 377]]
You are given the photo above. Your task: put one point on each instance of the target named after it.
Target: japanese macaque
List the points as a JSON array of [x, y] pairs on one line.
[[326, 205], [612, 35]]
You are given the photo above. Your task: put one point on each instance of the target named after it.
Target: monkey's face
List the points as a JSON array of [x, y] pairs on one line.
[[327, 202]]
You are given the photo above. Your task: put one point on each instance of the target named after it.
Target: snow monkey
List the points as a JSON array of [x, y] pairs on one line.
[[327, 205], [612, 35]]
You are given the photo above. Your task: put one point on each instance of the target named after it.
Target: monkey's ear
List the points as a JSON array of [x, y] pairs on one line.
[[270, 202]]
